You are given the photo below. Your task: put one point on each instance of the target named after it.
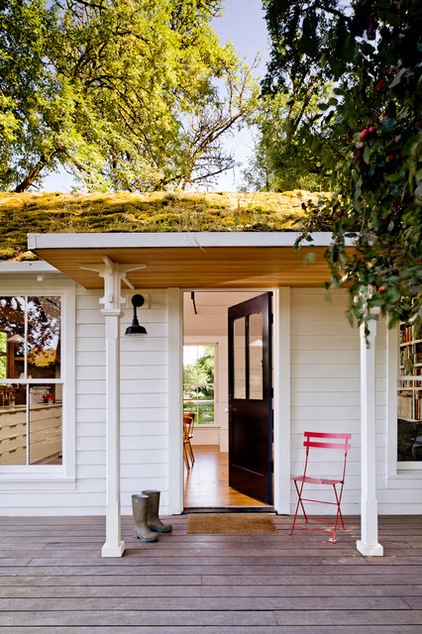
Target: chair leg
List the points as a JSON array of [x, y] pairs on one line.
[[186, 459], [190, 450], [298, 504], [339, 515], [338, 500]]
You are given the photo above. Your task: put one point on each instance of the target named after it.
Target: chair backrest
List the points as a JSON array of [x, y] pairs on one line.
[[188, 418], [326, 440]]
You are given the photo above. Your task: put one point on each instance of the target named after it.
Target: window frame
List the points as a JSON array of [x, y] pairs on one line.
[[63, 475]]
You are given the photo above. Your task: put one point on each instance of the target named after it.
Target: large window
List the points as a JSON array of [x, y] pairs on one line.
[[30, 380], [409, 415], [198, 382]]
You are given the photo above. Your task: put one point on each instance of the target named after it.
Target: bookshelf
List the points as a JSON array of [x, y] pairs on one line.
[[409, 410]]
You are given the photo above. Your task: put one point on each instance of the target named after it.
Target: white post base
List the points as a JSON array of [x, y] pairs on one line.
[[113, 551], [369, 550]]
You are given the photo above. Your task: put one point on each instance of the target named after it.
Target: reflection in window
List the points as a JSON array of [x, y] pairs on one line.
[[30, 380], [256, 362], [409, 415], [198, 382], [248, 357], [239, 353]]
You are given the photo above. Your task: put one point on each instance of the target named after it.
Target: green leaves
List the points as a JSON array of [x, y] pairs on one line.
[[122, 93], [370, 144]]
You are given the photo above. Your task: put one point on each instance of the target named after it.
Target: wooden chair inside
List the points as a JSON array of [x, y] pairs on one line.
[[188, 455]]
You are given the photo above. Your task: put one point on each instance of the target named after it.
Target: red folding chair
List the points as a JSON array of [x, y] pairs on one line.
[[320, 440]]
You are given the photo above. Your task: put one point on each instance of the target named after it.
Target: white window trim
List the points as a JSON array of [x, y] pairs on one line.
[[57, 477], [396, 471]]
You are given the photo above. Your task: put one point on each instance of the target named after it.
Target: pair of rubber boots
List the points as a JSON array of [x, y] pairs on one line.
[[145, 514]]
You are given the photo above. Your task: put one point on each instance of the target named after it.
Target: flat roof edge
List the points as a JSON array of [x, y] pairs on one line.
[[38, 241], [27, 267]]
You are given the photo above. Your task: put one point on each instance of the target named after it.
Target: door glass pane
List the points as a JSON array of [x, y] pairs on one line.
[[239, 360], [255, 357]]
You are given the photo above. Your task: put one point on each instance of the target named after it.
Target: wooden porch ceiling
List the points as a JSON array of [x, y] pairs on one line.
[[195, 265]]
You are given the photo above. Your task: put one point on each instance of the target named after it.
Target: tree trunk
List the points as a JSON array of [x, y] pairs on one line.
[[35, 172]]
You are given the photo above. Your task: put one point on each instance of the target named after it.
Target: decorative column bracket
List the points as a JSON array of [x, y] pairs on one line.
[[113, 274]]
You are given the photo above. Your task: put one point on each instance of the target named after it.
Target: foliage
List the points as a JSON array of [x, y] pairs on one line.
[[288, 150], [123, 94], [198, 384], [370, 140], [3, 354], [21, 214], [282, 158], [199, 375]]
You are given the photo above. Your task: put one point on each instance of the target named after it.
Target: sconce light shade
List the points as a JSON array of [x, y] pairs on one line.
[[136, 330]]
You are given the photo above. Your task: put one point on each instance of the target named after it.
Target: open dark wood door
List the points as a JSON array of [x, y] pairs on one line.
[[250, 398]]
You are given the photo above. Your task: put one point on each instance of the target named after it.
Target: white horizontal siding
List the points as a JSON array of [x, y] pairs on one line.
[[144, 403], [156, 415], [325, 385], [325, 396]]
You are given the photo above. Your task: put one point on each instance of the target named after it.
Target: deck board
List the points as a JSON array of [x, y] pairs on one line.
[[53, 580]]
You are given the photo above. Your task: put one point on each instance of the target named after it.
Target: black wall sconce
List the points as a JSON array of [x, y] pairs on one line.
[[135, 330]]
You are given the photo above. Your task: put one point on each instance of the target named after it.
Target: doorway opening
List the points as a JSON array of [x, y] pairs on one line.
[[206, 393]]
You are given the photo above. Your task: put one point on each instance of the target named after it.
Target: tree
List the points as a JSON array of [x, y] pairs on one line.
[[287, 112], [369, 140], [283, 158], [122, 93], [25, 90], [199, 376]]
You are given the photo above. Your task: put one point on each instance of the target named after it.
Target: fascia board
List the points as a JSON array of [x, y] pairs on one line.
[[186, 239]]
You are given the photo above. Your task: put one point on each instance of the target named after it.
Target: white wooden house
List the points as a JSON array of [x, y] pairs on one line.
[[113, 426]]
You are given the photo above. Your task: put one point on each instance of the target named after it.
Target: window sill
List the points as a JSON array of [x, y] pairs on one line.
[[207, 426], [26, 481]]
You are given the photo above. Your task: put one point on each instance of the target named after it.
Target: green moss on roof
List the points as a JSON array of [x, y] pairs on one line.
[[21, 214]]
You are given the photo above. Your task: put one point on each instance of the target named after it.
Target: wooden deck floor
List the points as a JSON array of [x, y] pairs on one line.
[[52, 580]]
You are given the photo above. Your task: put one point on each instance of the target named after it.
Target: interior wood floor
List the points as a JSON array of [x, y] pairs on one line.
[[53, 580], [207, 483]]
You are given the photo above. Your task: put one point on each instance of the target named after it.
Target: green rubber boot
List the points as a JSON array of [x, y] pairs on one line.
[[153, 521], [140, 505]]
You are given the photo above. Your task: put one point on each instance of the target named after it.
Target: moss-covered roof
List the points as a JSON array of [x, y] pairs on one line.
[[21, 214]]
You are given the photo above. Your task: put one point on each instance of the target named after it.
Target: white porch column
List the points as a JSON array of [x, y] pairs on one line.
[[113, 274], [175, 404], [368, 544], [114, 546]]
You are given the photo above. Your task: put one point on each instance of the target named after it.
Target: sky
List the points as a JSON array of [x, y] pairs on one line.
[[244, 25]]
